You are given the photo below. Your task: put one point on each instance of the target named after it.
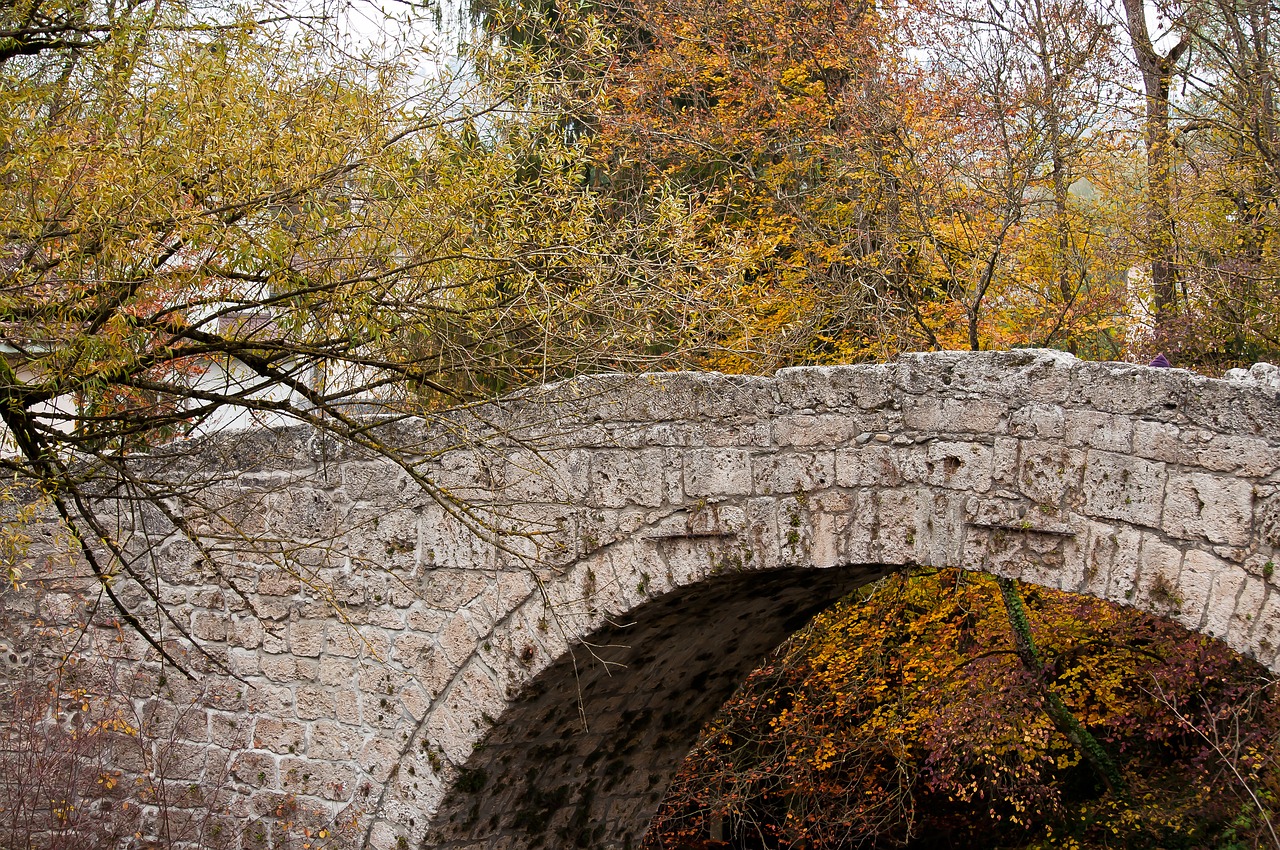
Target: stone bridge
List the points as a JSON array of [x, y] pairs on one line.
[[523, 657]]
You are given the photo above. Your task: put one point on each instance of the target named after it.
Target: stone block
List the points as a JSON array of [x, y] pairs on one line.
[[1244, 616], [1157, 588], [257, 770], [941, 415], [229, 730], [1249, 456], [552, 476], [1263, 641], [278, 735], [415, 701], [268, 698], [903, 515], [1266, 517], [761, 538], [385, 836], [958, 465], [458, 639], [746, 435], [817, 388], [363, 482], [306, 637], [346, 706], [275, 640], [717, 472], [424, 661], [1161, 441], [466, 473], [1004, 462], [211, 626], [344, 642], [336, 671], [280, 668], [1038, 421], [378, 758], [383, 537], [827, 546], [278, 582], [181, 761], [1124, 488], [485, 697], [312, 702], [1228, 582], [1196, 584], [1126, 389], [1202, 506], [421, 618], [1095, 430], [165, 718], [798, 472], [1045, 560], [1047, 474], [628, 477], [1120, 549], [244, 631], [826, 430], [449, 588], [303, 512], [316, 778], [873, 464], [452, 540]]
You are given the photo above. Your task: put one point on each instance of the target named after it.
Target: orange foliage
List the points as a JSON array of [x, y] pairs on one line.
[[776, 115], [903, 713], [877, 202]]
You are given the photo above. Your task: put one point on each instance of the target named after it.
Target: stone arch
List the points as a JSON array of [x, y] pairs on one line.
[[708, 506], [634, 544]]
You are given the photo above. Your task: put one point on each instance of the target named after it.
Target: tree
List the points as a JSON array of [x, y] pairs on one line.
[[1157, 72], [992, 175], [1223, 136], [778, 117], [211, 220], [896, 178], [1209, 126]]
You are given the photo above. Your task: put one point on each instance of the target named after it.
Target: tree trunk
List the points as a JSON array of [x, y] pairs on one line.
[[1157, 76]]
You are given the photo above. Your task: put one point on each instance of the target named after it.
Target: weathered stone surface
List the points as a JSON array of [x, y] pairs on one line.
[[521, 658]]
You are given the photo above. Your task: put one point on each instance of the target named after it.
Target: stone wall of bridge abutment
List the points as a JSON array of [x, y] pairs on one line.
[[522, 657]]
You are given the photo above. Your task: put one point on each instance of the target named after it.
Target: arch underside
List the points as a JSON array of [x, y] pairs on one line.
[[585, 754]]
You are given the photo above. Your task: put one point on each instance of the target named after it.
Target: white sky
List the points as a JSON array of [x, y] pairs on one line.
[[427, 30]]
